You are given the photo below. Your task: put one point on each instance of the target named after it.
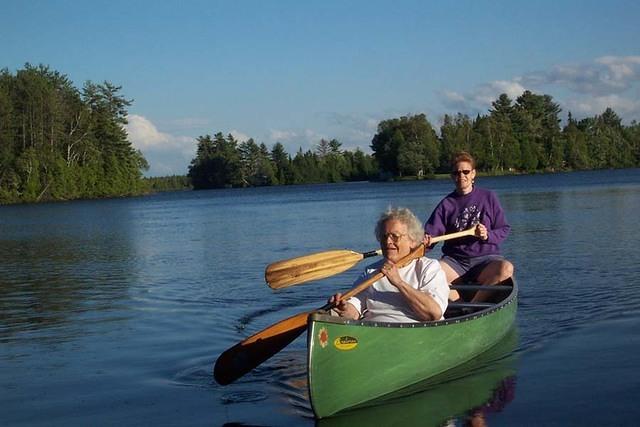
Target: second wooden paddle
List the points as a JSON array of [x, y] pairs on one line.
[[319, 265]]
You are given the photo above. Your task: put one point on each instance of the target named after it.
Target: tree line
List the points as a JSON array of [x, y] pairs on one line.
[[526, 136], [58, 142], [520, 136], [222, 161]]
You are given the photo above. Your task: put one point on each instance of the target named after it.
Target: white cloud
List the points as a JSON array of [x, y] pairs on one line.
[[143, 134], [166, 154], [295, 139], [585, 89], [276, 135], [591, 106], [453, 96], [352, 130], [479, 99], [621, 68], [239, 136], [513, 89], [605, 75], [313, 137]]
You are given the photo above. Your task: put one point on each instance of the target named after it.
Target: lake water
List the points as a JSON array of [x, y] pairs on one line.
[[113, 312]]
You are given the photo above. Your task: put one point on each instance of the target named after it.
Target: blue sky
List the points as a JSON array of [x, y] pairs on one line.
[[295, 72]]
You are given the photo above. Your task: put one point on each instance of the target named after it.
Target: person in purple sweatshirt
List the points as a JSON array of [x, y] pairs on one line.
[[476, 258]]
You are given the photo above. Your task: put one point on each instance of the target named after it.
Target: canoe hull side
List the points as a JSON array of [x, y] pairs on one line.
[[350, 363]]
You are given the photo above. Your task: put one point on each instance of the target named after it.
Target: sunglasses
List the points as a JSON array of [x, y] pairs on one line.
[[460, 172], [394, 237]]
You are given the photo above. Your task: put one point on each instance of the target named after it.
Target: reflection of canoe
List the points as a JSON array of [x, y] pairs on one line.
[[353, 362], [485, 383]]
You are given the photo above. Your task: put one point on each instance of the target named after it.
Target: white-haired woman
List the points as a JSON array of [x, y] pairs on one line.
[[413, 293]]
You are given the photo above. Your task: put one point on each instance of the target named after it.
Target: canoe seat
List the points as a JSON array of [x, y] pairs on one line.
[[457, 309], [467, 290]]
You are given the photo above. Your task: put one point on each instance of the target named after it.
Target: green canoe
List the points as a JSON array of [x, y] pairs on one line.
[[351, 362], [485, 384]]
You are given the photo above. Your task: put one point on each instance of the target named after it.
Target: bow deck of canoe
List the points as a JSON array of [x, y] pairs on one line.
[[351, 362]]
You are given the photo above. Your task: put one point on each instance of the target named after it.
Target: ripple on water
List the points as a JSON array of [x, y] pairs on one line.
[[243, 396], [195, 376]]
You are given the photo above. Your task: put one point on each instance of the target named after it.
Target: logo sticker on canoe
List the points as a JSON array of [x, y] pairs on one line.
[[345, 343], [323, 337]]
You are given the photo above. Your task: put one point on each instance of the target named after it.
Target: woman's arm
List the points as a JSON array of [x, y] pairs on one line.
[[498, 228]]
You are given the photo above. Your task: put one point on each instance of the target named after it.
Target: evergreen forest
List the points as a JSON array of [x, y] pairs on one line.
[[59, 142], [515, 136]]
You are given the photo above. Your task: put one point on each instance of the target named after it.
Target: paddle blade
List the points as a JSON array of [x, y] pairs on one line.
[[306, 268], [248, 354]]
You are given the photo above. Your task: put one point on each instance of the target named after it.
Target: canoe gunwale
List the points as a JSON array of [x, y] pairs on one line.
[[510, 299]]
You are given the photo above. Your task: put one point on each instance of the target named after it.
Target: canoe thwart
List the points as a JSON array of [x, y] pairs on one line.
[[470, 305]]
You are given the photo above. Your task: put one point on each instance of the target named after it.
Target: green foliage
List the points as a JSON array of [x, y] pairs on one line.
[[168, 183], [257, 168], [221, 162], [282, 164], [524, 136], [456, 134], [218, 163], [406, 146], [58, 143], [520, 136], [61, 143]]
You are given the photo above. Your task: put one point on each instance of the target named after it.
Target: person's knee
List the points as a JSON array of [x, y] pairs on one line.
[[449, 272], [506, 270]]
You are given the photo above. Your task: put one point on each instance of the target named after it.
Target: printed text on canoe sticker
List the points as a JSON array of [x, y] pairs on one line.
[[323, 337], [345, 342]]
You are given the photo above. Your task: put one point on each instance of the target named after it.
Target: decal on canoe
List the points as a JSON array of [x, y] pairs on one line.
[[345, 342], [323, 337]]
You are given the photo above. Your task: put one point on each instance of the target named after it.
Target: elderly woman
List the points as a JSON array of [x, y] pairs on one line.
[[413, 293]]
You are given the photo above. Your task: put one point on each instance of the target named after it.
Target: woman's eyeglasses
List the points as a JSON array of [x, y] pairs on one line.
[[394, 237], [460, 172]]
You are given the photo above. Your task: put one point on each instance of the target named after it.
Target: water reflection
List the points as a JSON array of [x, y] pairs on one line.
[[55, 276], [466, 395]]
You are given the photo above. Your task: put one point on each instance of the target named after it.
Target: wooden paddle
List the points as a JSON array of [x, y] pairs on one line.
[[243, 357], [294, 271]]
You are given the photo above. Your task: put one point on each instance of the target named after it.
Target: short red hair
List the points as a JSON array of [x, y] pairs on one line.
[[462, 156]]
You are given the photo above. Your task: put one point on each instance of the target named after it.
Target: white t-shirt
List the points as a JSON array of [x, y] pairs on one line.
[[384, 302]]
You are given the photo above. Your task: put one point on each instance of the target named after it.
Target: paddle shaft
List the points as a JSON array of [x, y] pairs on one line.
[[250, 353], [468, 232]]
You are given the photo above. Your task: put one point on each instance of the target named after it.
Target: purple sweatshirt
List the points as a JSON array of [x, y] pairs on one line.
[[456, 213]]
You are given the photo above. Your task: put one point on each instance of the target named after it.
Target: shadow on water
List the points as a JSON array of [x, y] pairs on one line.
[[468, 393]]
